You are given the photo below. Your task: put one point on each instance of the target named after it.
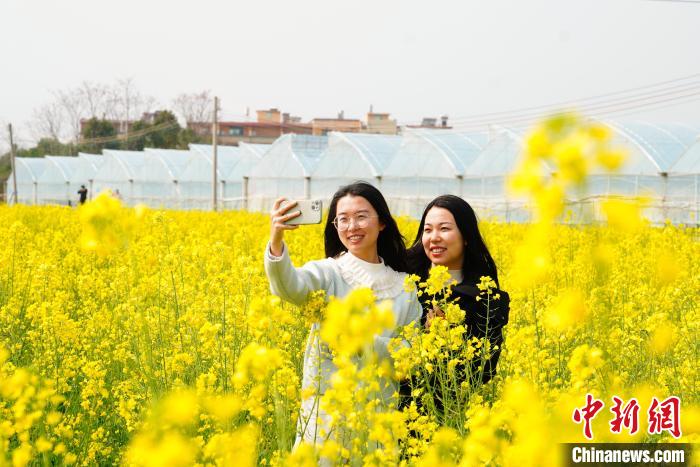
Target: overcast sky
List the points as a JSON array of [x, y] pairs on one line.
[[313, 58]]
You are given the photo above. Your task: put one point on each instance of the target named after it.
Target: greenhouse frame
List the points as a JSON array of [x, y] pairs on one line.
[[118, 174], [662, 166], [27, 173], [196, 176], [285, 170], [85, 173], [428, 163], [484, 180], [351, 157], [58, 183], [157, 180], [684, 187]]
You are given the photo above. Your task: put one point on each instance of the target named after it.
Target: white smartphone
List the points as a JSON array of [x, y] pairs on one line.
[[311, 210]]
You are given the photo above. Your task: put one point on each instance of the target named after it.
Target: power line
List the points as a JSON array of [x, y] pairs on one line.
[[130, 136], [662, 85], [600, 109], [653, 107]]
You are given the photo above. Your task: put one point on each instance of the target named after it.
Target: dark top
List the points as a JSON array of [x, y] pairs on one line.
[[83, 195], [482, 319]]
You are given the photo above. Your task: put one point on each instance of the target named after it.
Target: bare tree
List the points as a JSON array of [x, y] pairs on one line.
[[95, 97], [130, 104], [48, 121], [73, 107], [4, 138], [194, 107], [60, 119]]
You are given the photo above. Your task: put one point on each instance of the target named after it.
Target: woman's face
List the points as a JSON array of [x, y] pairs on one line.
[[358, 226], [442, 240]]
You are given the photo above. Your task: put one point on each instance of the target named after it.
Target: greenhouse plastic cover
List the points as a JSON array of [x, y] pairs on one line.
[[285, 169], [226, 159], [435, 153], [291, 156], [663, 164], [351, 157], [174, 161], [257, 150], [689, 163], [651, 148], [357, 154], [499, 156], [58, 183], [29, 169]]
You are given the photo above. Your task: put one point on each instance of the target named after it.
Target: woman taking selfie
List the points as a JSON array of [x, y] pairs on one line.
[[449, 236], [363, 248]]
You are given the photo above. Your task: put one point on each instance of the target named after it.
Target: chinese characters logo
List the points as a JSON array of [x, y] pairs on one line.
[[662, 415]]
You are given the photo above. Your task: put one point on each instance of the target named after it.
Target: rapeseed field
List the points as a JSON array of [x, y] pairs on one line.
[[146, 337]]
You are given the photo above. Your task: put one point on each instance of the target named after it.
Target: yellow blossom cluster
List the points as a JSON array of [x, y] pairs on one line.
[[142, 337], [351, 323]]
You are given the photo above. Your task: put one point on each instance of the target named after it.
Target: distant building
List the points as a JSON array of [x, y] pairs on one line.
[[380, 124], [429, 122], [270, 125], [322, 126]]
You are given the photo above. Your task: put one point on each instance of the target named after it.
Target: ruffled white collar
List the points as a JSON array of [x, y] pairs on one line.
[[384, 281]]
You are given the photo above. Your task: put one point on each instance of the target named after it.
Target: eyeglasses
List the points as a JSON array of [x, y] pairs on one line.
[[342, 223]]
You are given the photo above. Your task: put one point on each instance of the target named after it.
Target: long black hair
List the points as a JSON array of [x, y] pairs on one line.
[[390, 244], [477, 260]]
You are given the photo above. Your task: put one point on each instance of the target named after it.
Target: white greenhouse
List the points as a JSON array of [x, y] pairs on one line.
[[662, 166], [156, 183], [651, 152], [58, 183], [250, 150], [234, 192], [684, 187], [196, 177], [118, 173], [484, 180], [285, 170], [85, 173], [28, 170], [428, 163], [351, 157]]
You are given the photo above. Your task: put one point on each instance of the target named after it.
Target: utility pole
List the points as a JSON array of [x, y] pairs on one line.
[[214, 135], [12, 165], [126, 107]]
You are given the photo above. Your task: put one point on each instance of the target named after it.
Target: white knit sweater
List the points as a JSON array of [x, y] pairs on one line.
[[337, 276]]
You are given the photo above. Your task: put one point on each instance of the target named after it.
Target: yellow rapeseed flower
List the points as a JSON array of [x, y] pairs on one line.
[[352, 322], [625, 215]]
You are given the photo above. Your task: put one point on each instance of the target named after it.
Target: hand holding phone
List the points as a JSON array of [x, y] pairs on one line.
[[310, 212], [285, 217]]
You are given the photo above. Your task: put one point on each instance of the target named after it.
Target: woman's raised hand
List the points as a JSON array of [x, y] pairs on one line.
[[279, 215]]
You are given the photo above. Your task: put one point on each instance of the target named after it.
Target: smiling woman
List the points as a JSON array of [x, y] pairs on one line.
[[449, 236], [364, 248]]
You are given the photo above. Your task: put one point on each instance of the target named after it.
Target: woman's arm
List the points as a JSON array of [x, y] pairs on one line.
[[294, 284], [278, 216], [287, 282]]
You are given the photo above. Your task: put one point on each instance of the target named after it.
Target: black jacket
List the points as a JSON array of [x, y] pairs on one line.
[[482, 319]]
